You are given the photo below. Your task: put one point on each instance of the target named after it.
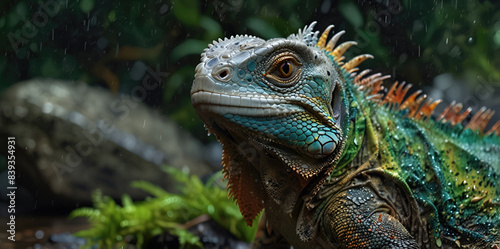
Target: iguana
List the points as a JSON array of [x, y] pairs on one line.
[[336, 160]]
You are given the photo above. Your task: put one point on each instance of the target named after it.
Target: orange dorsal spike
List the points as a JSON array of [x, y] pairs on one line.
[[401, 92], [452, 113], [396, 94], [410, 101], [333, 41], [356, 61], [419, 106], [486, 120], [391, 95], [427, 108], [369, 80], [322, 39], [448, 111], [460, 117], [340, 50], [413, 107], [359, 77], [377, 98], [353, 70], [480, 120], [495, 129]]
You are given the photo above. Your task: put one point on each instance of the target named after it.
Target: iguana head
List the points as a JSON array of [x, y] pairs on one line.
[[282, 98], [281, 93]]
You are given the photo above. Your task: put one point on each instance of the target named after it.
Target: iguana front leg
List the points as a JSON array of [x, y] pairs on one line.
[[358, 218]]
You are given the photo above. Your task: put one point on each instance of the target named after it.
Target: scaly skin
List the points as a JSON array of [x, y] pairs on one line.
[[336, 160]]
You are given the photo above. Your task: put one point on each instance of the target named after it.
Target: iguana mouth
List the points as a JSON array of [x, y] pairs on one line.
[[265, 144], [220, 131], [254, 106]]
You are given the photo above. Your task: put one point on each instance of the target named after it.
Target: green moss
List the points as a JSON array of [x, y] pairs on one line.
[[115, 225]]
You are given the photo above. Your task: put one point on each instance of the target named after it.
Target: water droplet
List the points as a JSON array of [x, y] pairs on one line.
[[39, 234]]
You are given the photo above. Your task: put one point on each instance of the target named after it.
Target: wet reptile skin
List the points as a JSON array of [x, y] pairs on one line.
[[336, 160]]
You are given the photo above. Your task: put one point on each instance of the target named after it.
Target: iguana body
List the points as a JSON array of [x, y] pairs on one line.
[[337, 163]]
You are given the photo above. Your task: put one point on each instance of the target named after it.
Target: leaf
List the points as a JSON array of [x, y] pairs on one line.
[[114, 225], [262, 28], [187, 11], [351, 13], [186, 237], [150, 188], [187, 47], [213, 28]]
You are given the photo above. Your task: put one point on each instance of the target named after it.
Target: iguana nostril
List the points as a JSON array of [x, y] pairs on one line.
[[223, 74]]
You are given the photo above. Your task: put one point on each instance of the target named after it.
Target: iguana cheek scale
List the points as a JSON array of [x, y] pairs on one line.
[[338, 161]]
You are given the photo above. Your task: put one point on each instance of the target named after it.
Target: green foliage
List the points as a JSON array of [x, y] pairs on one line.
[[114, 225], [186, 11]]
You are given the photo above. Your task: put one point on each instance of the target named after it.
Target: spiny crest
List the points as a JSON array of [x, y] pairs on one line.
[[307, 35], [214, 42], [419, 106], [338, 51]]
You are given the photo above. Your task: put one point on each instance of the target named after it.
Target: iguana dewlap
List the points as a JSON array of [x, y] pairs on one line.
[[336, 160]]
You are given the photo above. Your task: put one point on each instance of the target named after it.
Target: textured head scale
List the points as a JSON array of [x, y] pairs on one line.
[[281, 97], [277, 92]]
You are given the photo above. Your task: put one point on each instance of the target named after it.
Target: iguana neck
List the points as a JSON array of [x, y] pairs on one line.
[[257, 177]]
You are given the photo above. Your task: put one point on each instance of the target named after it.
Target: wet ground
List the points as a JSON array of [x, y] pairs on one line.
[[55, 232], [35, 232]]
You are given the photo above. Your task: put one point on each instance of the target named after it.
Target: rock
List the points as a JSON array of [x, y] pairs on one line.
[[210, 233], [72, 138], [213, 236], [66, 240]]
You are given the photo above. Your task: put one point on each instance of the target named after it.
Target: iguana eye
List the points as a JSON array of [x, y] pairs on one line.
[[285, 70]]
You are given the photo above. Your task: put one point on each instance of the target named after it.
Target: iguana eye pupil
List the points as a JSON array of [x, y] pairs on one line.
[[285, 69]]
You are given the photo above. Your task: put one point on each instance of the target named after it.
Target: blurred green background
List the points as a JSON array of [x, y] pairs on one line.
[[114, 43]]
